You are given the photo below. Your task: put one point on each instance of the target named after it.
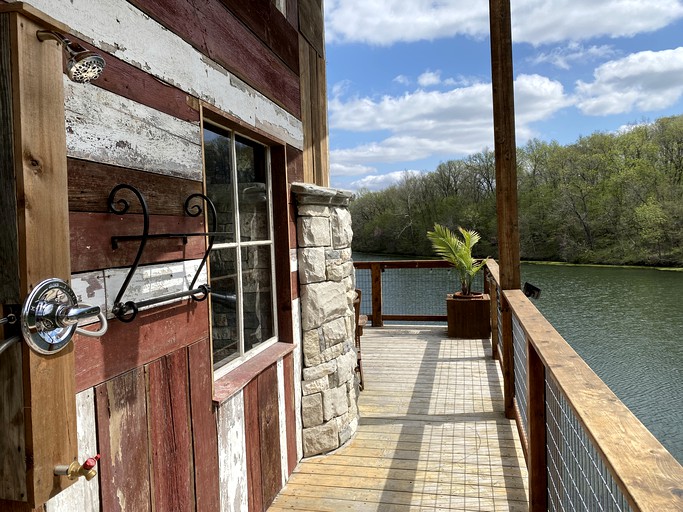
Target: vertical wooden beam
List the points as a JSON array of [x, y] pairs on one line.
[[122, 437], [252, 435], [39, 226], [322, 172], [168, 415], [376, 276], [204, 432], [269, 427], [506, 175], [505, 145], [536, 437]]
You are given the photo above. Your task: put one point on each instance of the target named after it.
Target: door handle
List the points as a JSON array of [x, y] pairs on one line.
[[50, 316]]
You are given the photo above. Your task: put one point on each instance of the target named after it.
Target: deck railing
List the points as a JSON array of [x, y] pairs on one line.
[[384, 297], [585, 450]]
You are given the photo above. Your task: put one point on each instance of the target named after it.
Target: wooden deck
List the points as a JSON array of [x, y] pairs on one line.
[[432, 435]]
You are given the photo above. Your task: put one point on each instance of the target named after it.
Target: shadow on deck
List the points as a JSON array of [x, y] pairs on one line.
[[432, 436]]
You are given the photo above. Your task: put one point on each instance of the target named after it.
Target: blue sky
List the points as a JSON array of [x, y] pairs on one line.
[[409, 81]]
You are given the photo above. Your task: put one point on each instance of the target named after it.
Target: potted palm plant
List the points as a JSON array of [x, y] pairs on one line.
[[468, 314]]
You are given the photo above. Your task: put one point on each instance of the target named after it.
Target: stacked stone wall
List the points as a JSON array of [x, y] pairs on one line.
[[329, 382]]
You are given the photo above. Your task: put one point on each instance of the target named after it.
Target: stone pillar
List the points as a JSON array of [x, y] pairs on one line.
[[329, 381]]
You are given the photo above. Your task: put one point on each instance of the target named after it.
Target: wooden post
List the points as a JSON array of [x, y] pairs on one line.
[[508, 359], [493, 292], [376, 273], [506, 171], [536, 436], [36, 244]]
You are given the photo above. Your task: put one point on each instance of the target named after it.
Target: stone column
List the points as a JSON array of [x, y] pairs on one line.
[[329, 380]]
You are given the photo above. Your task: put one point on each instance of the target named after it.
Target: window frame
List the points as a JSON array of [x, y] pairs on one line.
[[238, 246]]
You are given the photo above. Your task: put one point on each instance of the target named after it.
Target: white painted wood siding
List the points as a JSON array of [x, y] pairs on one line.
[[297, 355], [104, 127], [283, 419], [232, 449], [99, 288], [126, 32], [83, 496]]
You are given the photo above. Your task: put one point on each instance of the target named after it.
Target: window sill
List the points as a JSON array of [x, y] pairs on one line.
[[237, 378]]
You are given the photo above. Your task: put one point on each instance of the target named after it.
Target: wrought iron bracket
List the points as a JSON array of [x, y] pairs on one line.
[[127, 311]]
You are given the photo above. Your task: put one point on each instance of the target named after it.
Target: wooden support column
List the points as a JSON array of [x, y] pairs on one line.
[[41, 418], [506, 170], [536, 436], [376, 275]]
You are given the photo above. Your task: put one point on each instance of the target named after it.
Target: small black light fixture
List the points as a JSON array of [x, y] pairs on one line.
[[531, 291]]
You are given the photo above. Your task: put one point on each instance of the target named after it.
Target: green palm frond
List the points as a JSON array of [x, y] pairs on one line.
[[458, 252]]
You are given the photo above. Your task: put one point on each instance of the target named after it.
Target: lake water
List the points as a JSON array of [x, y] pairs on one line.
[[626, 323]]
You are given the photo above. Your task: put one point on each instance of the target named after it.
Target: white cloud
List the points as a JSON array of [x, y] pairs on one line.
[[402, 79], [385, 22], [429, 78], [443, 123], [564, 57], [339, 169], [379, 182], [644, 81]]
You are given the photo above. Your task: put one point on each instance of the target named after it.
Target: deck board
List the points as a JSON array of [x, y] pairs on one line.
[[432, 434]]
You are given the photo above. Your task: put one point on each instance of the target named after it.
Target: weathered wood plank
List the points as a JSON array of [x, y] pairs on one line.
[[90, 184], [290, 413], [269, 431], [129, 34], [83, 495], [311, 23], [242, 375], [217, 33], [266, 21], [282, 230], [9, 236], [41, 221], [151, 281], [297, 359], [170, 438], [150, 336], [433, 440], [204, 433], [233, 455], [293, 13], [122, 438], [13, 455], [253, 446], [307, 112], [282, 422], [111, 129], [91, 246]]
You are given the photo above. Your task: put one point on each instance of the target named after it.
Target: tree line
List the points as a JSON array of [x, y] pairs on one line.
[[609, 198]]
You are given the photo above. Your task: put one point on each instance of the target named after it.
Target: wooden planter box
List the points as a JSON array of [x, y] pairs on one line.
[[469, 317]]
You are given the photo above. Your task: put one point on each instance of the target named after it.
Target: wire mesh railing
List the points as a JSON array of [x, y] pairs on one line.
[[578, 479], [413, 290], [519, 366]]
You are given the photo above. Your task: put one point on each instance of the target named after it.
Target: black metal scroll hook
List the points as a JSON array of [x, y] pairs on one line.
[[128, 311], [194, 211]]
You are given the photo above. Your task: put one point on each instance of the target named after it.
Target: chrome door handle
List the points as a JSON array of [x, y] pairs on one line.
[[50, 315]]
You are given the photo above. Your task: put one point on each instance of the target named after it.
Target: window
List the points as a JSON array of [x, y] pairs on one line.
[[242, 273]]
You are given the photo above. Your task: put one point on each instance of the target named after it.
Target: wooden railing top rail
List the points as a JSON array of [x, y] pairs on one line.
[[492, 265], [648, 475], [403, 264]]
